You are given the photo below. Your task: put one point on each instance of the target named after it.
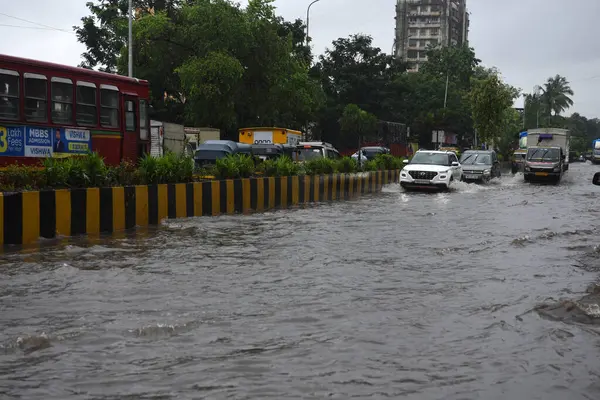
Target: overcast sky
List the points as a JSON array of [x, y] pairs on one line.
[[528, 40]]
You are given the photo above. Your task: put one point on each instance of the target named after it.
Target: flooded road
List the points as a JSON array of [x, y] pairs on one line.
[[394, 295]]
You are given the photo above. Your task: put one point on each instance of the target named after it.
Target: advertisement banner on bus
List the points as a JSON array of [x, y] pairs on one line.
[[38, 141], [72, 141], [35, 141], [12, 141]]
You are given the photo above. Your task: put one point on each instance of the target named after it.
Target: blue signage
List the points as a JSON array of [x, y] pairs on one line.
[[12, 141], [36, 141], [523, 140], [72, 141]]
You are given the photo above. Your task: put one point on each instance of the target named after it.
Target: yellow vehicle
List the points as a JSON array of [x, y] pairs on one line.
[[270, 136], [518, 160], [456, 150]]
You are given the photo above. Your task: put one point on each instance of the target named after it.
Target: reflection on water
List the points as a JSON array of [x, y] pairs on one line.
[[396, 295]]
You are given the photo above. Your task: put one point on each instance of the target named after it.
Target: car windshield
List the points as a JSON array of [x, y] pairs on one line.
[[372, 153], [476, 159], [543, 155], [430, 159], [310, 153]]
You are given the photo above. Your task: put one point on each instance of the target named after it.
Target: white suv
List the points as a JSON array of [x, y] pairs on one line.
[[430, 169]]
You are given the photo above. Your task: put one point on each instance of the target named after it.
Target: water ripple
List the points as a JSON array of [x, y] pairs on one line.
[[394, 295]]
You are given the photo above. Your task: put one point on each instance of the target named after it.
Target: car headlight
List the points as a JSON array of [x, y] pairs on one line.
[[487, 172], [556, 169], [527, 168]]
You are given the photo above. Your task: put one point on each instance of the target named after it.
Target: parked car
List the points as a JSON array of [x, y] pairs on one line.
[[271, 151], [211, 150], [312, 150], [480, 165], [430, 169], [209, 153], [369, 153]]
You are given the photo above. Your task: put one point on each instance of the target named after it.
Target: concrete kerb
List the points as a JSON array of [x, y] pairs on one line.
[[25, 217]]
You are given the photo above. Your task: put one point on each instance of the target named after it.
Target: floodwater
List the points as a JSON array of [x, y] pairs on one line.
[[393, 295]]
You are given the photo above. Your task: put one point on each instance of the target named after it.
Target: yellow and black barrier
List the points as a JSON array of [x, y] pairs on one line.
[[25, 217]]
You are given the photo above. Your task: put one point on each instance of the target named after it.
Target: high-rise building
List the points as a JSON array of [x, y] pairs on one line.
[[424, 23]]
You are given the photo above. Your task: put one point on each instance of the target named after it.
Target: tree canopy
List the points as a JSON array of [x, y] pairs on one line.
[[215, 63]]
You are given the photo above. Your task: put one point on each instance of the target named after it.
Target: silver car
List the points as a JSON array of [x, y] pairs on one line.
[[480, 165]]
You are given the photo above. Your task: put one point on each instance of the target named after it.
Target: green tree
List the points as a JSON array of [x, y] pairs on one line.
[[533, 110], [296, 32], [421, 100], [353, 71], [555, 95], [357, 124], [490, 98], [356, 72], [104, 32], [192, 53], [458, 63], [508, 139], [417, 100]]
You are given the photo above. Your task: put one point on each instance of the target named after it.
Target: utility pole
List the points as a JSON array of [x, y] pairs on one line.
[[446, 92], [307, 20], [524, 110], [130, 44], [536, 94], [445, 103]]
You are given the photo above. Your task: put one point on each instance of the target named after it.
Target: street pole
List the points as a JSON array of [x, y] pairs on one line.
[[307, 20], [130, 44], [536, 94], [524, 110], [445, 102], [446, 92]]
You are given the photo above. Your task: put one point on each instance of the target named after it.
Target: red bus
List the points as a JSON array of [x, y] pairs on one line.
[[52, 110]]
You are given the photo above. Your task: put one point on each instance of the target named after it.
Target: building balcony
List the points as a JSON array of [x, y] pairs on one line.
[[425, 14], [426, 36], [420, 24]]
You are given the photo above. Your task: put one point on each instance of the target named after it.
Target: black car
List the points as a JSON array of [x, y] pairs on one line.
[[480, 165]]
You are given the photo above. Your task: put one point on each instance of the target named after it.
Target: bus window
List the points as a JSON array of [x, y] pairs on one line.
[[36, 97], [109, 103], [62, 100], [86, 112], [130, 116], [9, 94], [143, 119]]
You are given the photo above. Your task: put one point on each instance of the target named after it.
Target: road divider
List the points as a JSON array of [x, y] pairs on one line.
[[25, 217]]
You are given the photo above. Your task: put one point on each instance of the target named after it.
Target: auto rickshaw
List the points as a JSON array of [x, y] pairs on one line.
[[518, 160]]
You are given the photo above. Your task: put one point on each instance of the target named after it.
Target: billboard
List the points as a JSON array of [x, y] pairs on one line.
[[523, 140], [36, 141]]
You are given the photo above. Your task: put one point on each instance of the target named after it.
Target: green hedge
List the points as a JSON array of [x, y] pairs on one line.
[[244, 166], [91, 171]]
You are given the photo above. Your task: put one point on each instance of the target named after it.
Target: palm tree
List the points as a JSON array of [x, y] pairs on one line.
[[555, 95]]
